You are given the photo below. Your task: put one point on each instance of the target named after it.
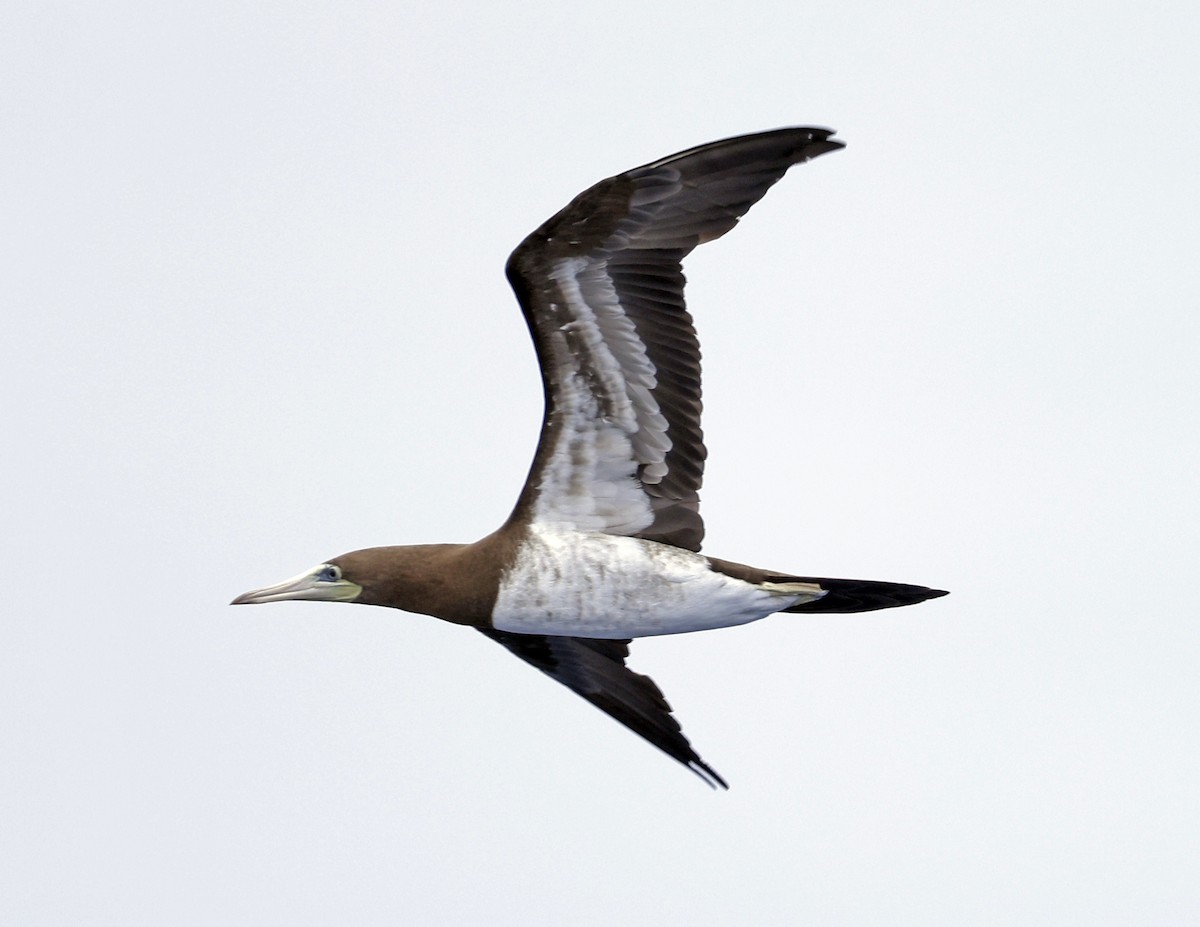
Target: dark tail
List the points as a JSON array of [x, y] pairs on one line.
[[863, 595]]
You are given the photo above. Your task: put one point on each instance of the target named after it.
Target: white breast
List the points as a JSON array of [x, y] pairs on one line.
[[572, 583]]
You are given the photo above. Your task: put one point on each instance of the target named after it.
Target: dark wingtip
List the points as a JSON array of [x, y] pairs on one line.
[[709, 775], [816, 149], [820, 141], [823, 141]]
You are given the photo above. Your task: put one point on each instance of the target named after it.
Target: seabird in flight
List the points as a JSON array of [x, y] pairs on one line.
[[603, 544]]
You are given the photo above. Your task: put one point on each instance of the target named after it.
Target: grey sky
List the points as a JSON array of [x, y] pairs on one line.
[[256, 316]]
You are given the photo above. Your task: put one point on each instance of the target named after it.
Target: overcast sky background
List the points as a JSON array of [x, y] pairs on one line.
[[255, 316]]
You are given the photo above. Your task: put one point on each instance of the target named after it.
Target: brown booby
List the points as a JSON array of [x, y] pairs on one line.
[[603, 544]]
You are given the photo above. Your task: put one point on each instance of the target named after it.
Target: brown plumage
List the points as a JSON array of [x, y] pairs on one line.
[[602, 543]]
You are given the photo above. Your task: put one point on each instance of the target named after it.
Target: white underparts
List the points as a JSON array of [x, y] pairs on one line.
[[578, 584]]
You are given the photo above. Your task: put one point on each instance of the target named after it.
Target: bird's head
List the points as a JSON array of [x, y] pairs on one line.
[[416, 578], [326, 582]]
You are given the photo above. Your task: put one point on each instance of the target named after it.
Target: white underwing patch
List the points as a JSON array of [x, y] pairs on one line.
[[609, 422]]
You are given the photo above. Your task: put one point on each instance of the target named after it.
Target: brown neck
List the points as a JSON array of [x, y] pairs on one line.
[[454, 582]]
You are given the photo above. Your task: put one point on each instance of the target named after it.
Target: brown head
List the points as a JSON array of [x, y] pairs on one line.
[[456, 582]]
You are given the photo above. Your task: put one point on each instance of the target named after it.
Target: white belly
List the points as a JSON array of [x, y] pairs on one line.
[[566, 582]]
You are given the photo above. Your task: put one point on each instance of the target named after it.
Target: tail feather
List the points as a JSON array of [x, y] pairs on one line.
[[843, 596]]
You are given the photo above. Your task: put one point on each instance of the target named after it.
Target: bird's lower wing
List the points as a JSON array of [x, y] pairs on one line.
[[596, 670]]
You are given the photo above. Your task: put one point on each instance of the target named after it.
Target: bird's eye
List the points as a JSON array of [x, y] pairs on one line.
[[330, 574]]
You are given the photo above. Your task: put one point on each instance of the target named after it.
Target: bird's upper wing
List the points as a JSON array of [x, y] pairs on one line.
[[600, 284], [596, 670]]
